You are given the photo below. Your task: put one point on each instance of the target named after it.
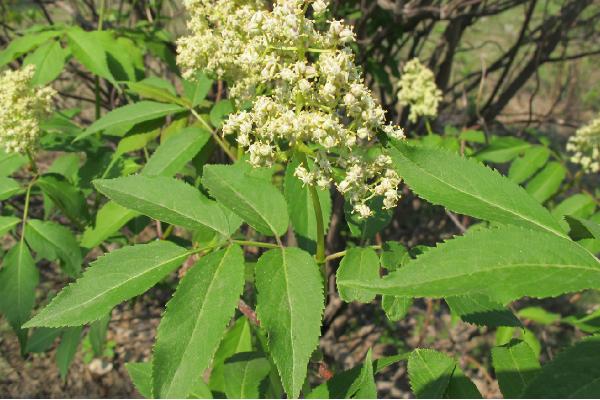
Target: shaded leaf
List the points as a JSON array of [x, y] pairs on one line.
[[140, 374], [244, 373], [359, 263], [429, 373], [51, 241], [65, 353], [516, 366], [481, 310], [18, 280], [523, 167]]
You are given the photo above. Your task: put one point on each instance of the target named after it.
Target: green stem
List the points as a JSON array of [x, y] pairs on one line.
[[26, 209], [341, 254], [428, 126], [255, 244], [320, 256], [215, 136], [32, 162]]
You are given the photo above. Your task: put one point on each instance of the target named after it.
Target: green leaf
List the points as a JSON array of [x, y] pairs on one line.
[[169, 200], [547, 182], [583, 228], [523, 167], [65, 196], [65, 353], [18, 280], [134, 142], [255, 200], [130, 115], [579, 205], [110, 280], [244, 373], [290, 304], [429, 372], [359, 263], [300, 205], [172, 155], [195, 320], [219, 112], [87, 48], [109, 219], [10, 162], [51, 241], [573, 373], [49, 61], [516, 366], [7, 224], [97, 334], [23, 44], [589, 323], [364, 387], [393, 256], [539, 315], [42, 339], [461, 387], [481, 310], [366, 228], [156, 89], [502, 149], [198, 89], [467, 187], [8, 188], [395, 307], [505, 263], [141, 376], [342, 386], [238, 339]]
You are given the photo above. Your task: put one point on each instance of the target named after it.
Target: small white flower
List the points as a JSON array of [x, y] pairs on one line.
[[21, 108], [417, 89], [585, 146]]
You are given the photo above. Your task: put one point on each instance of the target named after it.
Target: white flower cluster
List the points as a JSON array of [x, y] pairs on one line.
[[585, 146], [417, 89], [305, 90], [21, 108]]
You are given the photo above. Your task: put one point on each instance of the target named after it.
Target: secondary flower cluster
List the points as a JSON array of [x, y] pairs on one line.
[[305, 90], [21, 108], [585, 146], [417, 89]]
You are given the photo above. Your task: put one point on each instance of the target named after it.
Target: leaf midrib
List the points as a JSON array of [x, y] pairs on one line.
[[106, 292], [243, 199], [365, 285], [174, 211], [517, 214]]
